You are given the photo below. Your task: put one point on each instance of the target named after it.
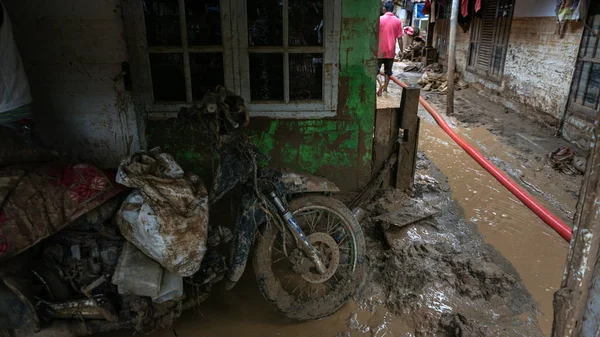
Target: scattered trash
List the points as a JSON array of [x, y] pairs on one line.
[[563, 160], [414, 51], [167, 215], [220, 112], [431, 81], [434, 67], [137, 274], [435, 79]]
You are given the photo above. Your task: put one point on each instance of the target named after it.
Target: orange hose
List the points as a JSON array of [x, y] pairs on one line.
[[550, 219]]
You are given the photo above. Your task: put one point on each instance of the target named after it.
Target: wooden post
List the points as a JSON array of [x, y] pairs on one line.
[[452, 57], [408, 122], [384, 142], [577, 302]]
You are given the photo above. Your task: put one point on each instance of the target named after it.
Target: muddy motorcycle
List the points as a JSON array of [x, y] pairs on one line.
[[308, 259]]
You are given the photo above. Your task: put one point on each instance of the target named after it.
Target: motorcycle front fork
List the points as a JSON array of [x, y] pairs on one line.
[[310, 251]]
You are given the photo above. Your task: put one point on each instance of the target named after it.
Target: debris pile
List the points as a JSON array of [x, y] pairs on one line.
[[220, 112], [564, 160], [435, 79], [166, 215], [414, 51], [434, 270]]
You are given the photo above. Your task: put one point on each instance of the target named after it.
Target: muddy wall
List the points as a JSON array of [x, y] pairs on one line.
[[538, 67], [72, 51], [339, 147]]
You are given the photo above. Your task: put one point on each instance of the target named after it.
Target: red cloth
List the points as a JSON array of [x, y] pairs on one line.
[[427, 7], [390, 29], [37, 201], [464, 8], [477, 6]]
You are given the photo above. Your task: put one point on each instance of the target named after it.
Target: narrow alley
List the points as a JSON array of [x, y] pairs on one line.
[[335, 168]]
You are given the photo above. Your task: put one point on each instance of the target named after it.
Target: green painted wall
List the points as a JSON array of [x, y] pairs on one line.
[[339, 147]]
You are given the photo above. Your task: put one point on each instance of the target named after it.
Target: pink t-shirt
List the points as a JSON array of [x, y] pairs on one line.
[[390, 29]]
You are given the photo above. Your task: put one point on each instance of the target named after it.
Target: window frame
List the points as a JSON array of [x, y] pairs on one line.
[[235, 50], [588, 54]]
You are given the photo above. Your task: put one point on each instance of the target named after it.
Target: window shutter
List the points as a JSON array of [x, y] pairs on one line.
[[489, 38], [488, 26]]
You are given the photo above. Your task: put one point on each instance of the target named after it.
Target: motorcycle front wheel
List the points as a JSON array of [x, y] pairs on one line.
[[289, 281]]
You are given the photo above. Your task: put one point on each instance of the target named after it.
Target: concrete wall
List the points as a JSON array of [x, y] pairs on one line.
[[72, 51]]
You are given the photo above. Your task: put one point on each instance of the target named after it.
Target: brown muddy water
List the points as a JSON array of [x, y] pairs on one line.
[[535, 250], [244, 312], [537, 253]]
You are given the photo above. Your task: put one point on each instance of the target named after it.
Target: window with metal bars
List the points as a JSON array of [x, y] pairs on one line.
[[489, 38], [585, 90], [280, 55]]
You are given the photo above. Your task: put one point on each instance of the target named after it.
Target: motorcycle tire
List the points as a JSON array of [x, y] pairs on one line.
[[325, 294]]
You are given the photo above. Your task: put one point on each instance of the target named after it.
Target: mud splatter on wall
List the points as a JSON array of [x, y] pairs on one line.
[[72, 52], [538, 67]]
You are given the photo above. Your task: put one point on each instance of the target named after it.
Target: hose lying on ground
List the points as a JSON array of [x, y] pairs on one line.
[[550, 219]]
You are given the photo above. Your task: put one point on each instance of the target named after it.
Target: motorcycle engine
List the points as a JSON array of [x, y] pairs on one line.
[[72, 260]]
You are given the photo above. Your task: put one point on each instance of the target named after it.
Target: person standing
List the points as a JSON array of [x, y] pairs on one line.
[[390, 31]]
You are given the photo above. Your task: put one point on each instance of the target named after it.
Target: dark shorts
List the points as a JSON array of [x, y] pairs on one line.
[[387, 66]]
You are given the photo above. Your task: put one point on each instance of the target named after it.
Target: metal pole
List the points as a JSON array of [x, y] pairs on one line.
[[452, 57]]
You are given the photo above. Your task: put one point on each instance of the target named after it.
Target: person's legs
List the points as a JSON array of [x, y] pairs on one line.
[[379, 84], [388, 64]]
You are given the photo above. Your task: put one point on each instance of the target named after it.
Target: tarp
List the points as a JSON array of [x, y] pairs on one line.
[[166, 216], [37, 201]]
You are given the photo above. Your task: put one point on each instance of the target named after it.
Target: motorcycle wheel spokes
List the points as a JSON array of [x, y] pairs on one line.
[[332, 236]]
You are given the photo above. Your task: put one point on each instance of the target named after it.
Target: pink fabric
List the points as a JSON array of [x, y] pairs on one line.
[[464, 8], [390, 29]]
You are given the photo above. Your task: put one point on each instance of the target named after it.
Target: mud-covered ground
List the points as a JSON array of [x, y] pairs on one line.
[[518, 144], [533, 138], [437, 275]]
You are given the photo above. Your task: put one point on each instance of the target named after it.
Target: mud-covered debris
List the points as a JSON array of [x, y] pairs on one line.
[[561, 159], [219, 112], [436, 274], [166, 216], [457, 325], [407, 215]]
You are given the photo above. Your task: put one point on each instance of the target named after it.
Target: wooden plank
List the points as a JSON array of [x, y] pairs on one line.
[[286, 55], [384, 140], [186, 56], [408, 122], [577, 302]]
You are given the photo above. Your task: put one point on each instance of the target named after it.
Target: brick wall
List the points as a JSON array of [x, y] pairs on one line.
[[537, 72], [539, 63]]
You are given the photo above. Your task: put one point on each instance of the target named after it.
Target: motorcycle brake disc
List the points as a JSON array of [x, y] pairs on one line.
[[330, 254]]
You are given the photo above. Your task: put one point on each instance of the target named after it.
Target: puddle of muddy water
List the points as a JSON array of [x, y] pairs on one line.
[[537, 253], [244, 312]]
